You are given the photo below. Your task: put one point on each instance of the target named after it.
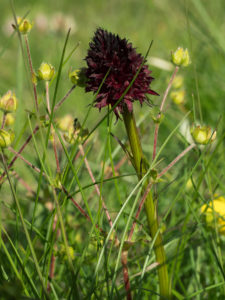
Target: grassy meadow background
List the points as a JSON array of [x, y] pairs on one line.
[[195, 254]]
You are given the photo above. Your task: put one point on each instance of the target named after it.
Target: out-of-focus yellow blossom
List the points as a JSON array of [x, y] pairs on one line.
[[24, 25], [203, 134], [215, 211], [65, 123], [181, 57], [6, 138], [8, 102], [178, 96]]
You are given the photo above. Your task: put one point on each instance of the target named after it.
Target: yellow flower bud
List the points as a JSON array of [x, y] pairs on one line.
[[24, 25], [178, 82], [181, 57], [64, 254], [9, 120], [8, 102], [78, 77], [203, 135], [177, 96], [186, 58], [46, 72], [215, 211], [65, 123], [6, 138]]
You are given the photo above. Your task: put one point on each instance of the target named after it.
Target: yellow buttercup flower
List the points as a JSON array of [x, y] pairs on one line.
[[215, 211]]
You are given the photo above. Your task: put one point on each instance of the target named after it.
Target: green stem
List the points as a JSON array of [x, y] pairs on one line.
[[139, 163]]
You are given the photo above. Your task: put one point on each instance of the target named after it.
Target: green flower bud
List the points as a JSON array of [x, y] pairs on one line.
[[24, 25], [177, 96], [46, 72], [203, 135], [78, 77], [6, 138], [181, 57], [8, 102]]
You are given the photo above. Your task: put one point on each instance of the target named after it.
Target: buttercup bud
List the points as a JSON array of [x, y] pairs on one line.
[[6, 138], [72, 136], [177, 96], [24, 25], [181, 57], [203, 135], [8, 102], [78, 77], [215, 211], [46, 72], [65, 123], [178, 82], [63, 254], [9, 119]]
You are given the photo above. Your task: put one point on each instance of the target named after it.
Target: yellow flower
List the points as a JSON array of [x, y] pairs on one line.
[[78, 77], [65, 123], [203, 134], [64, 254], [46, 71], [8, 102], [178, 82], [181, 57], [24, 25], [178, 96], [215, 211], [9, 119], [6, 138]]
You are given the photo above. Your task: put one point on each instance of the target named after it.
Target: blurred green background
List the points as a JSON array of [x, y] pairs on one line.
[[198, 25]]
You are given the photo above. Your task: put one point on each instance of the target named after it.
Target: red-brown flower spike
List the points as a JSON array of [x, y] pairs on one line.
[[109, 51]]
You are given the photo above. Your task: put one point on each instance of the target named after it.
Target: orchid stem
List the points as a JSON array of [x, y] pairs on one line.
[[150, 209]]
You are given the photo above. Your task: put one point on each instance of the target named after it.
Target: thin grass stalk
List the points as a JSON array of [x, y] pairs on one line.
[[150, 209]]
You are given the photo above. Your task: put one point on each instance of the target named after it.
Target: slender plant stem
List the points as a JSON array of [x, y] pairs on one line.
[[3, 120], [24, 159], [64, 98], [170, 165], [20, 150], [33, 76], [31, 135], [161, 109], [25, 228], [126, 279], [150, 209], [47, 96]]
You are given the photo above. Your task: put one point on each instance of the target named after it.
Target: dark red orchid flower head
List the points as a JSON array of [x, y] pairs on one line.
[[109, 53]]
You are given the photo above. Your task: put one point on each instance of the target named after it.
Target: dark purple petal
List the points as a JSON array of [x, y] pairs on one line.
[[106, 51]]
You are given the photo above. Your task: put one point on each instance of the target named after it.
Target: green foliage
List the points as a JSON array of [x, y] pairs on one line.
[[54, 211]]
